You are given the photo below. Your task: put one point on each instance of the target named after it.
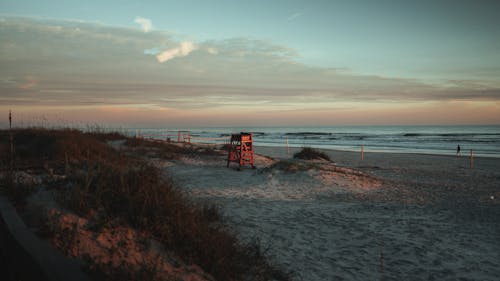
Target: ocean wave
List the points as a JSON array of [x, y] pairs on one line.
[[449, 134], [308, 134], [259, 133], [353, 137]]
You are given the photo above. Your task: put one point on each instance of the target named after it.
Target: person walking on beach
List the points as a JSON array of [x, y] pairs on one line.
[[459, 153]]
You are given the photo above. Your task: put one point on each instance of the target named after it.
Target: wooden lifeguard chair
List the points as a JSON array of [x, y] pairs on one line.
[[241, 150]]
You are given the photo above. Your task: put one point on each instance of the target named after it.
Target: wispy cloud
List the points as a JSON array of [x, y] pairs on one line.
[[184, 49], [212, 50], [29, 83], [294, 16], [145, 23]]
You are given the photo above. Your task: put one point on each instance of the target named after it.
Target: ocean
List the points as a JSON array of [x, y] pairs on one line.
[[442, 140]]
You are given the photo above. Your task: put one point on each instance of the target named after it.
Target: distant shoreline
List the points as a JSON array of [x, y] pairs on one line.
[[465, 154], [353, 158], [434, 140]]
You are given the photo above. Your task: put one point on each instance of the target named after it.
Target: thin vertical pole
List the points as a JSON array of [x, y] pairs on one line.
[[178, 136], [66, 166], [362, 152], [11, 142], [471, 159], [287, 146]]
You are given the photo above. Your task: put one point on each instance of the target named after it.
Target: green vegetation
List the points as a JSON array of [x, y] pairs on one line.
[[122, 186]]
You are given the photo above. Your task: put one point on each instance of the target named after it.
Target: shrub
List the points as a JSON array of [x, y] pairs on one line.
[[309, 153], [34, 143]]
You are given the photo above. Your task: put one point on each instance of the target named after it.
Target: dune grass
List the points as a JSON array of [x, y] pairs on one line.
[[126, 188], [308, 153]]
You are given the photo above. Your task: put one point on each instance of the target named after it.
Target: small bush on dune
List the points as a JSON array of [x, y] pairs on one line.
[[34, 143], [309, 153]]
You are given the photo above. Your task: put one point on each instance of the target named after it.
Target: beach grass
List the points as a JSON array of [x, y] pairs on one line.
[[125, 187]]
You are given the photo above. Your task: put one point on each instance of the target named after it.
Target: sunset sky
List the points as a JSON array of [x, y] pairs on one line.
[[250, 63]]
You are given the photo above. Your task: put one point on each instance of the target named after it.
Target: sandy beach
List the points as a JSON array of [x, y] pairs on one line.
[[387, 217], [117, 123]]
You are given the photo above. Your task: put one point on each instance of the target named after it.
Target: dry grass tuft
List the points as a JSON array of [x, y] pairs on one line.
[[167, 150]]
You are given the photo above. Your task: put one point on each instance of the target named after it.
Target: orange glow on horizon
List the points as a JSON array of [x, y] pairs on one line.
[[435, 113]]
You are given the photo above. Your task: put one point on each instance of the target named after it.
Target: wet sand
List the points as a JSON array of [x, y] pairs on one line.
[[390, 216]]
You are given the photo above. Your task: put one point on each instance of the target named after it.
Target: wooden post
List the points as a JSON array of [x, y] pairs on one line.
[[287, 147], [66, 166], [362, 152], [471, 159], [11, 142], [178, 136]]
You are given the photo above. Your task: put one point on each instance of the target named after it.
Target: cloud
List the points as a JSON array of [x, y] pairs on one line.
[[29, 83], [145, 23], [88, 64], [184, 49], [294, 16], [212, 51]]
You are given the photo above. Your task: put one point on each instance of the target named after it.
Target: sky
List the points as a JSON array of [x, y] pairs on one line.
[[250, 63]]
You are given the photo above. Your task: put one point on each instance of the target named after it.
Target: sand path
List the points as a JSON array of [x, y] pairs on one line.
[[406, 217]]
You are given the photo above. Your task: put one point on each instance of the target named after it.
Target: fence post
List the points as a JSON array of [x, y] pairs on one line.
[[11, 139], [287, 146], [362, 152], [471, 159]]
